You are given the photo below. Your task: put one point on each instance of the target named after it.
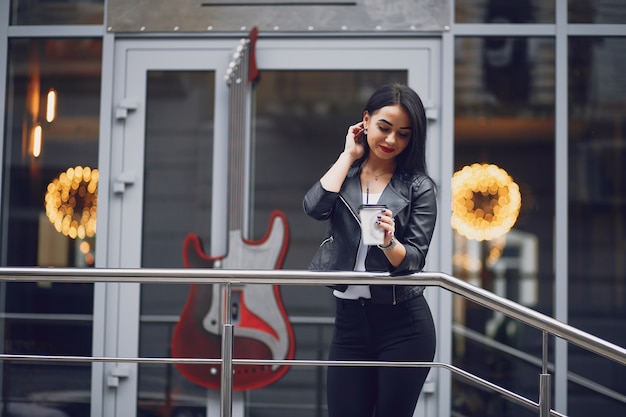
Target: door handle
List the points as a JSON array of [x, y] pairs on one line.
[[118, 372], [122, 180]]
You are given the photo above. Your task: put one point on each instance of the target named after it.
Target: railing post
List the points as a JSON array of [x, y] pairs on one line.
[[545, 386], [544, 395], [226, 396]]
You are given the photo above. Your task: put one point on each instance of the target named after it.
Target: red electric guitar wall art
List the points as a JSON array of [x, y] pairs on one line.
[[261, 327]]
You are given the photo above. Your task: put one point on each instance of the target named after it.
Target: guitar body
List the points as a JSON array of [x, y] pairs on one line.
[[261, 326]]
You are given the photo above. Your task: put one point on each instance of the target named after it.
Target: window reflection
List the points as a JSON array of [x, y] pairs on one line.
[[300, 123], [504, 11], [504, 119], [57, 12], [590, 11], [177, 201], [597, 202], [39, 151], [43, 140]]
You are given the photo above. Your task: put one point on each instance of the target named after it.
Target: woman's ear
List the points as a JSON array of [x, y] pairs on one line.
[[366, 119]]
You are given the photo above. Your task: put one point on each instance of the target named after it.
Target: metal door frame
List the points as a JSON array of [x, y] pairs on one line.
[[116, 309]]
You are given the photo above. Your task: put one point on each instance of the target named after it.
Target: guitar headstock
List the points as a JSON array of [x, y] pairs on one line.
[[246, 50], [253, 71]]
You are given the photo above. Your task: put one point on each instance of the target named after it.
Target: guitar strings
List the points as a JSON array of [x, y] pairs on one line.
[[237, 142]]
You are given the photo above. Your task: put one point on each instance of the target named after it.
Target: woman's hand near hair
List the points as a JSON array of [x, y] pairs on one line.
[[353, 150], [353, 144]]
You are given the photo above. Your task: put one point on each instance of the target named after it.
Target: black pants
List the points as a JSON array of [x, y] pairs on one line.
[[368, 331]]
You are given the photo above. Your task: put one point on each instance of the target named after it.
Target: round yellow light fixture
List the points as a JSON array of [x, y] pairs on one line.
[[485, 201], [71, 202]]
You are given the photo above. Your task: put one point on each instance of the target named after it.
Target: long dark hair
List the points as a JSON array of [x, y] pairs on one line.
[[413, 159]]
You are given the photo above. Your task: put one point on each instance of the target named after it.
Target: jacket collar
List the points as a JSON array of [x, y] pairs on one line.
[[393, 196]]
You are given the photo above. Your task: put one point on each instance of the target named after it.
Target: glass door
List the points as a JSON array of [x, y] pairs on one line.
[[173, 203]]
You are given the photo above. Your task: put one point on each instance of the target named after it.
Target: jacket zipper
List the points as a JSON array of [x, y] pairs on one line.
[[394, 295], [358, 220]]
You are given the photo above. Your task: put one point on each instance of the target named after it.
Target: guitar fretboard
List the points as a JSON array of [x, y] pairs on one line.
[[238, 79]]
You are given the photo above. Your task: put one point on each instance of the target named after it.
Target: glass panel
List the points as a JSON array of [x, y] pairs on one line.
[[57, 12], [598, 11], [177, 201], [49, 138], [504, 151], [504, 11], [597, 211], [310, 116], [301, 120]]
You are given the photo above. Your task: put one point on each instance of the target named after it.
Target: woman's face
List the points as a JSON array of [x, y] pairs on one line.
[[388, 131]]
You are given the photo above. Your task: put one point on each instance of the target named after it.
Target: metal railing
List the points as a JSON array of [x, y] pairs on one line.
[[546, 324]]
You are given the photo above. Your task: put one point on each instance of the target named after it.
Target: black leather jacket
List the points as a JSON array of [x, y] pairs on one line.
[[412, 200]]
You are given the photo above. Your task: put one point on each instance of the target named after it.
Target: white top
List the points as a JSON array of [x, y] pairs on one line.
[[354, 292]]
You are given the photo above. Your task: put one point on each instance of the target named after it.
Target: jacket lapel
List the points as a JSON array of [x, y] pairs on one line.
[[351, 191], [393, 198]]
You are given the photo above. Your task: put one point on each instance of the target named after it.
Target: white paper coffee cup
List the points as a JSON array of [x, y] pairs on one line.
[[371, 233]]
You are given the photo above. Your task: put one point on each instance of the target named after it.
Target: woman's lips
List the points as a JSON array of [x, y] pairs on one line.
[[386, 149]]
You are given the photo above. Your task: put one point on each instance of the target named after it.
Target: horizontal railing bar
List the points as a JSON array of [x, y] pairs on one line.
[[288, 406], [70, 358], [173, 319], [47, 317], [302, 277], [533, 360], [199, 361], [144, 318], [293, 362], [193, 276], [534, 318]]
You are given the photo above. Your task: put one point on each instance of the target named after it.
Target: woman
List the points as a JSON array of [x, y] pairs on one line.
[[383, 162]]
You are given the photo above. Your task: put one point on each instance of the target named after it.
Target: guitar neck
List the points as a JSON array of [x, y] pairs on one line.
[[242, 71]]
